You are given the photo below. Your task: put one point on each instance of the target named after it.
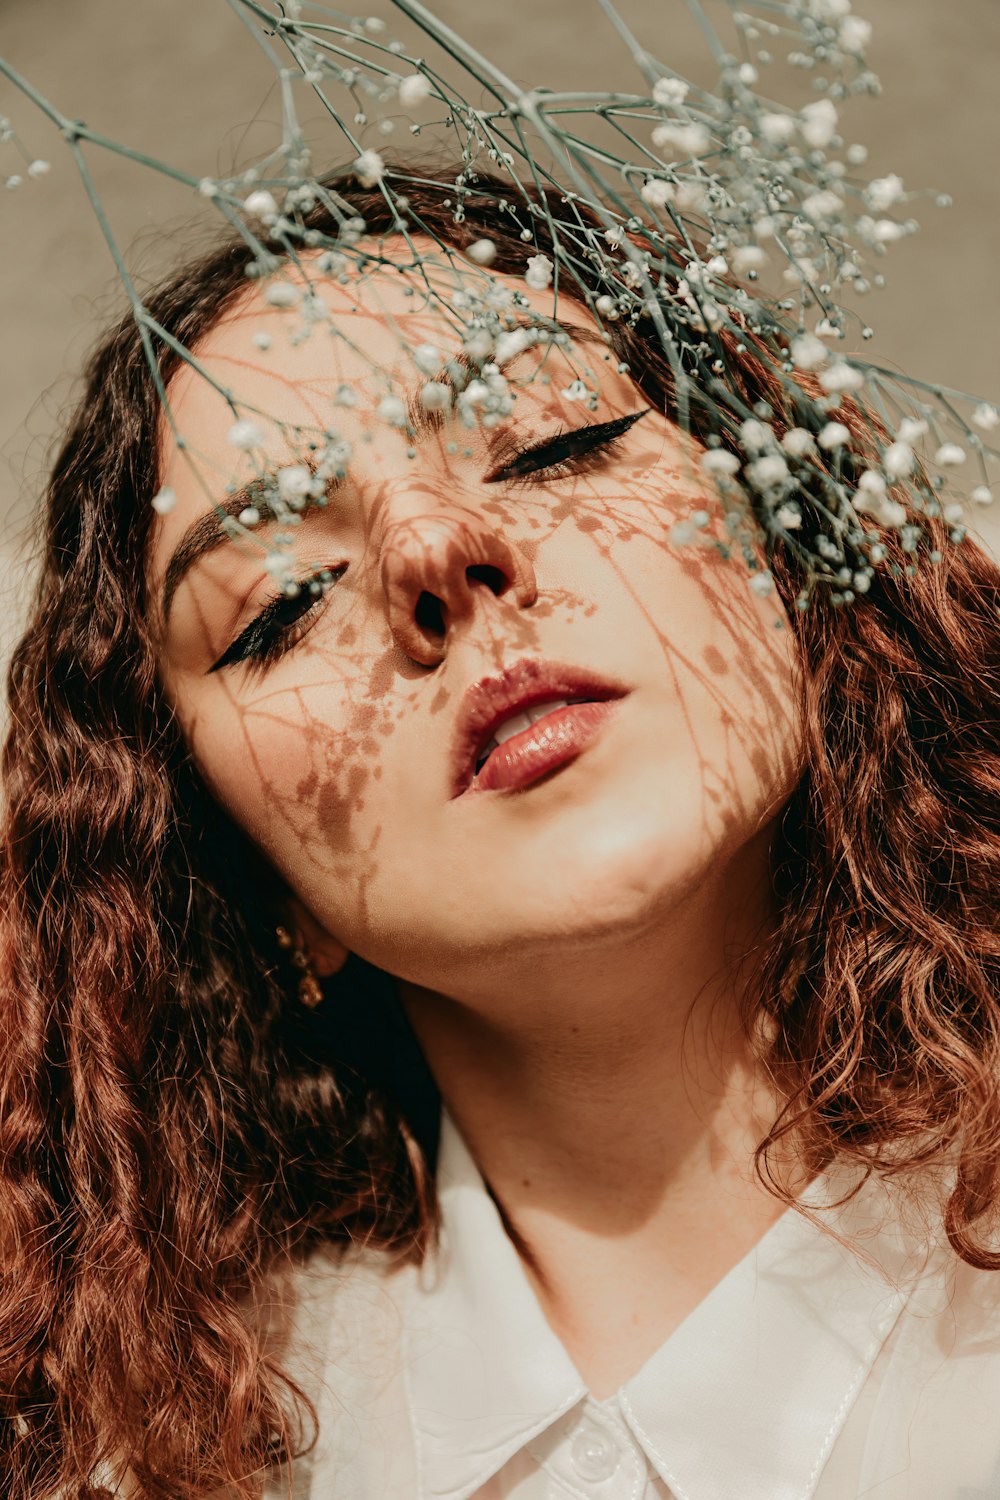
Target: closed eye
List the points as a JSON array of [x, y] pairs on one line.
[[286, 619], [562, 452]]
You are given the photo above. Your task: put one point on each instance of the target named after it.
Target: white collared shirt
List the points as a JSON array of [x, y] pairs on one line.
[[810, 1372]]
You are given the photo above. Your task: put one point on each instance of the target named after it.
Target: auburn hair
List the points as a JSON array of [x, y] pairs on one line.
[[174, 1123]]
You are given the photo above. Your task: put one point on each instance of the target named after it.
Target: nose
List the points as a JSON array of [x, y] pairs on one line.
[[430, 565]]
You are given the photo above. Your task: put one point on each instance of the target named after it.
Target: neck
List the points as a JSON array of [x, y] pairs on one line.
[[612, 1104]]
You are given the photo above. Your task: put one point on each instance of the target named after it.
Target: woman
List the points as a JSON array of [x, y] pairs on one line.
[[644, 1139]]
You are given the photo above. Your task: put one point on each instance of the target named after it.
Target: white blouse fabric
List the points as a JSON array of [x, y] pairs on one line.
[[813, 1371]]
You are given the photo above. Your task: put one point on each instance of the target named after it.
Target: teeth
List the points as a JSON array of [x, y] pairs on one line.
[[517, 722]]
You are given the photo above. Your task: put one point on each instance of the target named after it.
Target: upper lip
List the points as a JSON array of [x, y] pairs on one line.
[[492, 699]]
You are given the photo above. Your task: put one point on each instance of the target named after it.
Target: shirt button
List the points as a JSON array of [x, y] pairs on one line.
[[593, 1454]]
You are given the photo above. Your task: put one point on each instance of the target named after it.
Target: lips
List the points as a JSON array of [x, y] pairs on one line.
[[521, 687]]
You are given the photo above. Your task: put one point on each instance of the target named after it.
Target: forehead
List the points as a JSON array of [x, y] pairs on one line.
[[357, 327]]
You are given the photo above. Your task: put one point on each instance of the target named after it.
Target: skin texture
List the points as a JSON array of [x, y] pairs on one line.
[[569, 954]]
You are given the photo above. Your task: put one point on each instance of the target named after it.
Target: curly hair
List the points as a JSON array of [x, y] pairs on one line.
[[174, 1122]]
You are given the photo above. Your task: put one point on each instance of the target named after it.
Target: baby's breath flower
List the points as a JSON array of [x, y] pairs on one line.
[[413, 90], [281, 294], [911, 430], [539, 272], [261, 205], [986, 417], [392, 410], [841, 377], [823, 204], [369, 169], [755, 436], [798, 442], [808, 352], [898, 460], [818, 123], [690, 139], [510, 343], [834, 435], [789, 516], [262, 339], [39, 168], [982, 495], [435, 396], [719, 461], [427, 358], [883, 192], [949, 455], [483, 252], [657, 192], [244, 434], [249, 516], [747, 258], [669, 92], [294, 483], [762, 584], [164, 500], [777, 129], [767, 472], [855, 33]]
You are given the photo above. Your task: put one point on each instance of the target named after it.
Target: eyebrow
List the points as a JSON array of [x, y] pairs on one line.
[[210, 531]]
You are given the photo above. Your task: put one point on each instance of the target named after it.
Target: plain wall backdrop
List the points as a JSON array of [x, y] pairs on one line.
[[184, 81]]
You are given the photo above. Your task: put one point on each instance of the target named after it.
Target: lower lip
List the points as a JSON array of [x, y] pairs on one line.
[[557, 738]]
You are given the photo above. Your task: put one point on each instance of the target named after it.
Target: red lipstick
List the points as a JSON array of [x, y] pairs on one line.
[[495, 722]]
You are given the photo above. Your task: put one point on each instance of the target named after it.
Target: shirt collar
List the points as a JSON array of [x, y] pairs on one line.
[[773, 1358]]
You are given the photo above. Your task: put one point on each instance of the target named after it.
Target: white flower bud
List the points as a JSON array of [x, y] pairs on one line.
[[244, 434], [834, 435], [261, 205], [435, 396], [841, 377], [818, 123], [883, 192], [747, 258], [164, 500], [427, 359], [657, 193], [719, 461], [949, 455], [898, 460], [855, 33], [986, 417], [762, 584], [482, 252], [789, 517], [392, 410], [539, 273], [281, 294], [764, 473], [294, 483], [369, 169], [797, 442], [413, 90], [808, 352], [669, 92], [777, 129], [982, 495]]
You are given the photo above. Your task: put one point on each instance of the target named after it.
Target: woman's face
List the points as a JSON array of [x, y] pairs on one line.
[[336, 754]]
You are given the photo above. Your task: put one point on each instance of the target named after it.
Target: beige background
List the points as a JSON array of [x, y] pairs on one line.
[[182, 80]]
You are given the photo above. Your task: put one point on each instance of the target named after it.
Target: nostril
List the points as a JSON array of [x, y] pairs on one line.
[[492, 577], [429, 615]]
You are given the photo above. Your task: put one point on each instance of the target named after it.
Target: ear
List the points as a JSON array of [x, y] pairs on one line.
[[326, 953]]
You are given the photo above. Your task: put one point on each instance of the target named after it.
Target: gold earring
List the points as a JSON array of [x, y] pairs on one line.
[[310, 989]]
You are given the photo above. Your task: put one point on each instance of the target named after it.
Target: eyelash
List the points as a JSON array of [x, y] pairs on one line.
[[270, 635]]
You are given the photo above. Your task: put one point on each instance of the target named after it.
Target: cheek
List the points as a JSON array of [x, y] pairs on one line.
[[295, 784]]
